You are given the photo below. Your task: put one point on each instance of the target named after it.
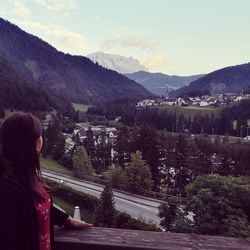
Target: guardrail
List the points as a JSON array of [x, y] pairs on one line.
[[121, 239], [144, 193]]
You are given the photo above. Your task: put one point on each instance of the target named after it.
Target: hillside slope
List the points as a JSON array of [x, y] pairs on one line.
[[229, 79], [66, 78], [20, 94]]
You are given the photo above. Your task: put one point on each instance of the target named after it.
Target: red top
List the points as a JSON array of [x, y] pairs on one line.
[[43, 215]]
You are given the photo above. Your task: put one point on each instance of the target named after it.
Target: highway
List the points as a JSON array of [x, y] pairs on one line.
[[136, 206]]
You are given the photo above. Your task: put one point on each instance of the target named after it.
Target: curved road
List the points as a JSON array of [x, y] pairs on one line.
[[136, 206]]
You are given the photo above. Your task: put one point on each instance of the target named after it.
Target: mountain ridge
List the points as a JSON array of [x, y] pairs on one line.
[[228, 79], [65, 77]]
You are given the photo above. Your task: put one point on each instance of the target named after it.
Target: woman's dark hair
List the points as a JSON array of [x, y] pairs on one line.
[[18, 136]]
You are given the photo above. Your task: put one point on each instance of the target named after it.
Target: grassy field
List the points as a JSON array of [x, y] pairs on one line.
[[51, 165], [86, 215], [80, 107], [192, 110]]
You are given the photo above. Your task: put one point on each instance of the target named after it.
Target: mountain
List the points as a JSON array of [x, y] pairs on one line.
[[158, 83], [66, 78], [118, 63], [230, 79], [20, 94]]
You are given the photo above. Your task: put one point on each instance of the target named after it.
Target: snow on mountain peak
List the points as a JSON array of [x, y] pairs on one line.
[[118, 63]]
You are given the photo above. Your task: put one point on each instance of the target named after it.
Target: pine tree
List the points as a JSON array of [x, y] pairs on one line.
[[81, 162], [147, 142], [54, 141], [103, 152], [89, 143], [105, 211], [123, 146], [137, 174]]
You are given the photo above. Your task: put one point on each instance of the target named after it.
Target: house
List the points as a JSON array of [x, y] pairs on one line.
[[168, 102], [109, 133], [145, 103], [246, 139], [204, 103], [69, 143], [216, 161]]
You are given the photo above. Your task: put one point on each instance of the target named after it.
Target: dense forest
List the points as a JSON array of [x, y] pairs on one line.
[[20, 94], [230, 121]]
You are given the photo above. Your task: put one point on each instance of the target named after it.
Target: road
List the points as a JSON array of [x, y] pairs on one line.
[[136, 206]]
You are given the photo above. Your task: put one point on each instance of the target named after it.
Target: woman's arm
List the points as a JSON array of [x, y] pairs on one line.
[[77, 224], [60, 218]]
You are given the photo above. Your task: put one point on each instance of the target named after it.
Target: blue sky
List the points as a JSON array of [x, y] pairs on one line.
[[181, 37]]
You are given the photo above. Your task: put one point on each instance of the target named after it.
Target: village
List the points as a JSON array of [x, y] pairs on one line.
[[110, 135], [216, 100], [100, 133]]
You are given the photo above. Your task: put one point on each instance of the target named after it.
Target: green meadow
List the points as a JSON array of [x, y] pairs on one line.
[[80, 107]]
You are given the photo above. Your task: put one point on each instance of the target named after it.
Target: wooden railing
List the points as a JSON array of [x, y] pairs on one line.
[[120, 239]]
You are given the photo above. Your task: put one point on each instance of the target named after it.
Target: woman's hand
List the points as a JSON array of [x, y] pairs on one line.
[[77, 224]]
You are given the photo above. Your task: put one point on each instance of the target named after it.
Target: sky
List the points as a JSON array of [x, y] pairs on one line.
[[176, 37]]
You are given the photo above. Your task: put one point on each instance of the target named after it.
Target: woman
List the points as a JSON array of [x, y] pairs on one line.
[[26, 209]]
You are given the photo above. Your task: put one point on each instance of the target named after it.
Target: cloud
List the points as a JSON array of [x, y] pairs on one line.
[[61, 38], [68, 41], [57, 5], [154, 62], [20, 9], [133, 40], [98, 17]]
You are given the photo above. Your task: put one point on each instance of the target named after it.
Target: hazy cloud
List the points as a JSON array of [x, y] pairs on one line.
[[133, 40], [20, 9], [57, 5], [154, 62], [61, 38], [98, 17]]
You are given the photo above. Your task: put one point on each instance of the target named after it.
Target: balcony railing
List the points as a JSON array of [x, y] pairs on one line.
[[120, 239]]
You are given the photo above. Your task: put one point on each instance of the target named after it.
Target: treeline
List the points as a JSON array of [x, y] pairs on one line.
[[231, 121], [174, 160]]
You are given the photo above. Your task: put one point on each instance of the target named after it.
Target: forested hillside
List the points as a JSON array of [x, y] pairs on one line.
[[229, 79], [18, 93], [66, 78]]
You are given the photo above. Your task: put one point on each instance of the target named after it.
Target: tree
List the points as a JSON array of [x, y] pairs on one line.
[[123, 147], [137, 174], [116, 177], [105, 211], [59, 147], [89, 143], [221, 205], [54, 141], [81, 162], [103, 152], [174, 218], [147, 142]]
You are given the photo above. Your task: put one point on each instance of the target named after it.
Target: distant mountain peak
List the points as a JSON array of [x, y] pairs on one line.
[[159, 83], [118, 63]]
